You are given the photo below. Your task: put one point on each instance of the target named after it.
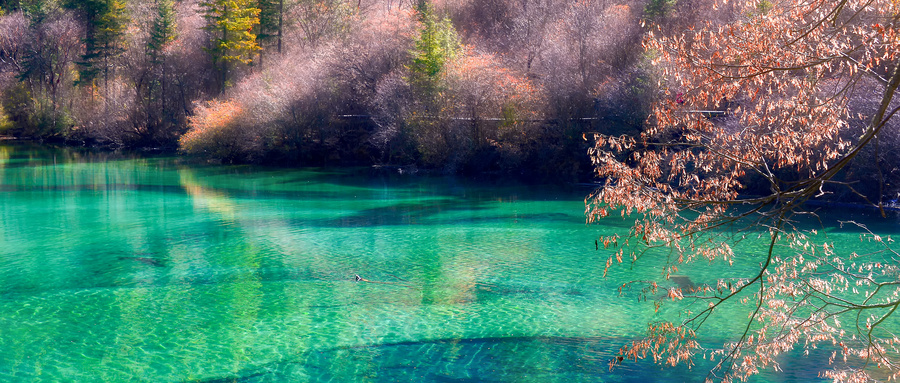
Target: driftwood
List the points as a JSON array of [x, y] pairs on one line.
[[361, 279]]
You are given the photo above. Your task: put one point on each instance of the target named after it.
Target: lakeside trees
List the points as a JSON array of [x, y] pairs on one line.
[[765, 107], [359, 89], [39, 48]]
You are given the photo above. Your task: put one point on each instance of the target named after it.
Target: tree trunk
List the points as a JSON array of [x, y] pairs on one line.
[[280, 22]]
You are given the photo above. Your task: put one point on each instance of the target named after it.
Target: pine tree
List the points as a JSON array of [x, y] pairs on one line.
[[231, 24], [7, 6], [162, 31], [104, 37], [437, 43], [270, 22]]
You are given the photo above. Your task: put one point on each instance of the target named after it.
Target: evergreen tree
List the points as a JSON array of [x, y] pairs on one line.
[[104, 36], [157, 111], [270, 22], [232, 25], [37, 63], [437, 43], [9, 6], [162, 30]]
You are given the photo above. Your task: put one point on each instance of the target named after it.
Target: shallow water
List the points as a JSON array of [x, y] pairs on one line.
[[121, 269]]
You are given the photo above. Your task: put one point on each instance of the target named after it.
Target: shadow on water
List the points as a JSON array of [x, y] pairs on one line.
[[397, 214], [421, 213], [510, 359], [118, 270], [155, 262], [147, 270], [292, 185], [494, 290]]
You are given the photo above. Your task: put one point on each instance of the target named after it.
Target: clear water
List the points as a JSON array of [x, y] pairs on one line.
[[128, 269]]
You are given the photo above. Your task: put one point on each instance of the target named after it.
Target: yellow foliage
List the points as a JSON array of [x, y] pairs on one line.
[[213, 129]]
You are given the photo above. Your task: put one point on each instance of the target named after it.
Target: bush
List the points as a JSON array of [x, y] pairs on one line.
[[33, 115], [216, 132]]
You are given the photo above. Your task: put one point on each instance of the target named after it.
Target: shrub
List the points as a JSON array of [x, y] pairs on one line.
[[215, 131], [33, 115]]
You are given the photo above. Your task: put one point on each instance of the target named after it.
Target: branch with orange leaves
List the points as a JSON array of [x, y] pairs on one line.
[[683, 177]]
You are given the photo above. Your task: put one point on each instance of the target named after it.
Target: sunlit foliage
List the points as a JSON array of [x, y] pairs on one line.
[[437, 43], [215, 131], [231, 25], [764, 95]]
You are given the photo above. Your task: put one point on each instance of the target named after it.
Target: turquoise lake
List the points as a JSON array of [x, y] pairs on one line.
[[118, 268]]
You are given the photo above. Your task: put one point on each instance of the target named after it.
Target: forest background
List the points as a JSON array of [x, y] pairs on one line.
[[474, 87], [493, 86]]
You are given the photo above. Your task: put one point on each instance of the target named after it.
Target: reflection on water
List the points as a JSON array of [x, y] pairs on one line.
[[120, 269]]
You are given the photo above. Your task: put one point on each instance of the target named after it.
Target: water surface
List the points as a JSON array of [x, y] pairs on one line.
[[121, 268]]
